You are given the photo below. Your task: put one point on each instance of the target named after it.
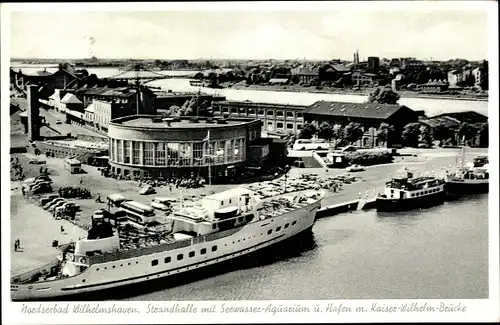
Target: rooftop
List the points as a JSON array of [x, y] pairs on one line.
[[179, 122], [112, 92], [468, 116], [364, 110]]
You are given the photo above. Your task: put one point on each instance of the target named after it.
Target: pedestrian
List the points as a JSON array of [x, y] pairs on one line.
[[62, 229], [98, 200], [15, 246], [18, 243], [23, 191], [81, 180]]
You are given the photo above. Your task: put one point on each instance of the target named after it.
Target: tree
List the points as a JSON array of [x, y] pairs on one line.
[[426, 136], [198, 75], [383, 96], [443, 133], [353, 132], [325, 131], [294, 79], [383, 132], [307, 131], [483, 134], [411, 133], [467, 132]]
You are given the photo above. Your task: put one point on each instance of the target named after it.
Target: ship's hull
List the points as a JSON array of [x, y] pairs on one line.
[[393, 205], [466, 187], [249, 239]]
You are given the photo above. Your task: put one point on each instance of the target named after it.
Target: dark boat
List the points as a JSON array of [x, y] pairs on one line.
[[408, 193], [469, 179]]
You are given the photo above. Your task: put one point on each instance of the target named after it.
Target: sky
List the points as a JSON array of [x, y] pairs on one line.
[[321, 35]]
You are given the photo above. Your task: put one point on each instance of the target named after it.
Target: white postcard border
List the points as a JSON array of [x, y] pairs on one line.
[[477, 310]]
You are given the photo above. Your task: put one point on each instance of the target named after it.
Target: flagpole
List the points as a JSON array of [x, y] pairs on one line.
[[209, 161]]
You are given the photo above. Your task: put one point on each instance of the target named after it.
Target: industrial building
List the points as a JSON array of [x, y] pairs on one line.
[[275, 117]]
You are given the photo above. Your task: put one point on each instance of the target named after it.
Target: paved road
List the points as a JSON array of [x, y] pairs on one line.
[[51, 117]]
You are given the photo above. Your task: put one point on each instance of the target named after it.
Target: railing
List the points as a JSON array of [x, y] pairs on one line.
[[27, 276], [125, 254]]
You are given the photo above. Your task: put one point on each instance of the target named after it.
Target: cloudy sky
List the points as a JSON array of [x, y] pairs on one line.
[[250, 35]]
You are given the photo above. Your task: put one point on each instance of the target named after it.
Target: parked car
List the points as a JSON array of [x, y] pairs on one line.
[[55, 206], [48, 198], [146, 190], [37, 161], [355, 168], [41, 188], [58, 122], [52, 203], [162, 203], [42, 177]]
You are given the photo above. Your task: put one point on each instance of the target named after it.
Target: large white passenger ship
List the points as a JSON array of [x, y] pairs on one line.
[[224, 226]]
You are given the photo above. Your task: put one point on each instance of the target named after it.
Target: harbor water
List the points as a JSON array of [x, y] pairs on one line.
[[436, 253]]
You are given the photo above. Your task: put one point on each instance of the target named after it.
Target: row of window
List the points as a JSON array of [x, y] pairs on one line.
[[280, 125], [434, 190], [203, 251], [177, 154], [261, 112]]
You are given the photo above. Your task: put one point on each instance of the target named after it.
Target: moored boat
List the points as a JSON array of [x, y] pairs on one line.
[[407, 193], [222, 227], [469, 178]]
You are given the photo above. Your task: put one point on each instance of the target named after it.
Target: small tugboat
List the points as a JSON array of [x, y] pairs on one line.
[[407, 193], [469, 178]]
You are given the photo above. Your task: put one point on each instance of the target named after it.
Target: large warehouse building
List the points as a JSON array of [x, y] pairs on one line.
[[146, 146]]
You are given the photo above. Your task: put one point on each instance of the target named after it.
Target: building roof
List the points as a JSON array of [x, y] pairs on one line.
[[111, 92], [70, 99], [363, 110], [445, 121], [90, 108], [468, 116], [307, 72], [74, 113], [146, 121], [340, 67]]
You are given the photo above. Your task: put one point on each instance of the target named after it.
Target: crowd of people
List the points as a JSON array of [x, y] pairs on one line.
[[16, 171], [71, 192]]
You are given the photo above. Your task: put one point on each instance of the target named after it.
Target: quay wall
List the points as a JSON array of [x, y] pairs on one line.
[[353, 205]]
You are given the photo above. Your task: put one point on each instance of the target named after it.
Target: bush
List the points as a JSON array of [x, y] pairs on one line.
[[368, 158]]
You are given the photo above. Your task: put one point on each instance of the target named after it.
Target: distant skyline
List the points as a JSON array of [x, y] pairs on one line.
[[440, 35]]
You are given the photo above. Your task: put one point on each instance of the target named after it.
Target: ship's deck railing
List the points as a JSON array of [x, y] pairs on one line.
[[125, 254], [27, 276]]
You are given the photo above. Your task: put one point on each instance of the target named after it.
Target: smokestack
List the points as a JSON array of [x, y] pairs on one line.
[[33, 113]]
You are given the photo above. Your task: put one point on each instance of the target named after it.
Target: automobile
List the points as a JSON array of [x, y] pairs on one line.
[[55, 206], [58, 122], [355, 168], [48, 198], [146, 190], [163, 203], [42, 177], [41, 188], [36, 162], [52, 203], [349, 148]]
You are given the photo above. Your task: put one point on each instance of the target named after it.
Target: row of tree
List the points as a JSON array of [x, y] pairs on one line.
[[415, 134]]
